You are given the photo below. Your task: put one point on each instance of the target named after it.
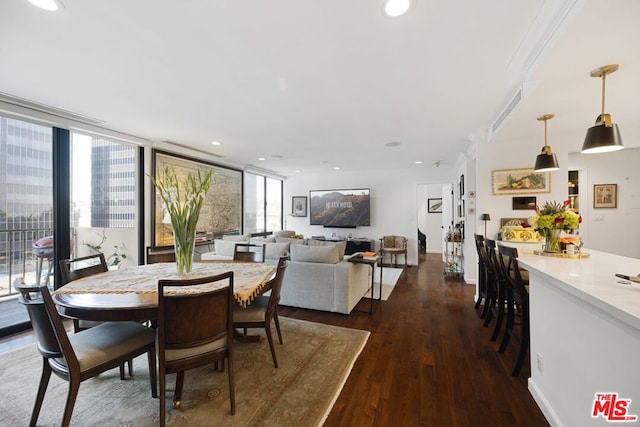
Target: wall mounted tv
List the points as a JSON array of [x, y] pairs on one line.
[[339, 208]]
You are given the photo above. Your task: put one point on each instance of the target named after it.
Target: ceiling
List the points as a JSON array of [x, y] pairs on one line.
[[314, 85]]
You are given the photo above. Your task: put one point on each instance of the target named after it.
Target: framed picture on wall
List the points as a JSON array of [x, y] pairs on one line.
[[520, 181], [434, 205], [523, 203], [299, 206], [605, 196]]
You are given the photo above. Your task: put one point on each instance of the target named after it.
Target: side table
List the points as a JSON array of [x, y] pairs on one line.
[[371, 261]]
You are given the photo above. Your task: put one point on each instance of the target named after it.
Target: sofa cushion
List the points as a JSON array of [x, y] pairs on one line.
[[290, 240], [224, 247], [342, 246], [329, 254], [276, 250], [236, 237]]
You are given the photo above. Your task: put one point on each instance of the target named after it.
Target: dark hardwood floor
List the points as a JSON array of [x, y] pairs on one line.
[[428, 361]]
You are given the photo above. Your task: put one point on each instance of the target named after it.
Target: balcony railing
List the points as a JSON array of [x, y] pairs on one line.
[[17, 258]]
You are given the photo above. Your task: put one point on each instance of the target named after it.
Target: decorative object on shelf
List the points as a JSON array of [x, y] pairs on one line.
[[520, 181], [546, 161], [485, 217], [299, 206], [183, 202], [434, 205], [605, 135], [553, 218], [605, 196]]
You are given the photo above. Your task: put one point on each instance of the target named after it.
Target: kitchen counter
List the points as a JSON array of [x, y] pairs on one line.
[[585, 334]]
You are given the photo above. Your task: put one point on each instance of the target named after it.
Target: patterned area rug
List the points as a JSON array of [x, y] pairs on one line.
[[314, 361]]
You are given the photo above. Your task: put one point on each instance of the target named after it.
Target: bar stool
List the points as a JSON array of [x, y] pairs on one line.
[[517, 297], [496, 285], [42, 250], [482, 274]]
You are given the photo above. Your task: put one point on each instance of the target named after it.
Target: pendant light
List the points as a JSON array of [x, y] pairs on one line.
[[604, 136], [546, 160]]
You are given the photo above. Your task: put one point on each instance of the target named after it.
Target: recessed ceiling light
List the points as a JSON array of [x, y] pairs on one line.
[[337, 168], [418, 162], [51, 5], [298, 171], [216, 143], [261, 159], [392, 144], [396, 7]]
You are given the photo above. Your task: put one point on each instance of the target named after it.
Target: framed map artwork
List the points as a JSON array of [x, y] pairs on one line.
[[222, 208]]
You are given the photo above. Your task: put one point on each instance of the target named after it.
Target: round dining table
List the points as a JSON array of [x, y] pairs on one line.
[[132, 293]]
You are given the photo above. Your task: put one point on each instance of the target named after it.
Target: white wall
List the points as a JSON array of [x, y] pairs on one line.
[[615, 230], [610, 230], [394, 202]]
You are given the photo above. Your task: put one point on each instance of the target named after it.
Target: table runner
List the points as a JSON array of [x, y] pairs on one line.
[[249, 279]]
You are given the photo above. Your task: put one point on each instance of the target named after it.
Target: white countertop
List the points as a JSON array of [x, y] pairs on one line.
[[593, 280]]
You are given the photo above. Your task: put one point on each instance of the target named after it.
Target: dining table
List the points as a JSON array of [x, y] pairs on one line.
[[131, 293]]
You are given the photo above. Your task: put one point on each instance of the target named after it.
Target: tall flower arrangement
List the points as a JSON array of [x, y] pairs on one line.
[[183, 202], [553, 218]]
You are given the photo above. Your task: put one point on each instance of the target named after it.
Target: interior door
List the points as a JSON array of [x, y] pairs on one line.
[[447, 212]]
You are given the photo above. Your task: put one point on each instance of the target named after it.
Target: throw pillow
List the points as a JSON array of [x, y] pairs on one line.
[[342, 246], [224, 247], [328, 254], [276, 250]]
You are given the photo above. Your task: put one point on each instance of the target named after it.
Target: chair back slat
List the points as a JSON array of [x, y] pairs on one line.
[[510, 269], [249, 252], [74, 269], [31, 298], [276, 283], [190, 318]]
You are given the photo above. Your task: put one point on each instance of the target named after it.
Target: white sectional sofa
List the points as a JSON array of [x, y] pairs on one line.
[[317, 277]]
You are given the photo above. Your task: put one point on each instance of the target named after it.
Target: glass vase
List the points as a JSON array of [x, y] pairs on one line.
[[552, 240], [184, 239]]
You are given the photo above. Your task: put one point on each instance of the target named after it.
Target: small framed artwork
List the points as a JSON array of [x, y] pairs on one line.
[[523, 203], [461, 184], [434, 205], [299, 206], [520, 181], [605, 196]]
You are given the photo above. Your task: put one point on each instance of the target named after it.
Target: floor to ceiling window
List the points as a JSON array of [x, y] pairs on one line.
[[104, 198], [263, 204], [26, 202]]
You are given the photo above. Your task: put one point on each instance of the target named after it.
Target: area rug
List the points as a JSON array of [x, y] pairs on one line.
[[314, 361], [390, 277]]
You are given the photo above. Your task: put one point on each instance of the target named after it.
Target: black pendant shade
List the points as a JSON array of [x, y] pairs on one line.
[[602, 139], [604, 136], [546, 160]]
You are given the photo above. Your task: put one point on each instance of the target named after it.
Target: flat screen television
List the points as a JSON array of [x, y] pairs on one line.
[[339, 208]]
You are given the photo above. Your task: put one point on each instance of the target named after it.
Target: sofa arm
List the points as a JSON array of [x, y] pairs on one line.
[[351, 283]]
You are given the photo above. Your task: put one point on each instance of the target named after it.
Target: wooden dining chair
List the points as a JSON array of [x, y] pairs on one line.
[[517, 299], [83, 355], [249, 252], [194, 329], [263, 309], [157, 254], [496, 288], [482, 275], [78, 268]]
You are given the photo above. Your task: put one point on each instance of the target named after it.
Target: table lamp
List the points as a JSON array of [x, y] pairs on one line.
[[485, 217]]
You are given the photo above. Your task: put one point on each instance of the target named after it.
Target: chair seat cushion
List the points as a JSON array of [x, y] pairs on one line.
[[108, 341], [171, 355], [255, 312], [393, 250]]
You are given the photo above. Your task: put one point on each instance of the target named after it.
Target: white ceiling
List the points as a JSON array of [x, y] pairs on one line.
[[324, 83]]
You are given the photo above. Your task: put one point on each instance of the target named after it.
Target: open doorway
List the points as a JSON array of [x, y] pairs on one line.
[[433, 206]]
